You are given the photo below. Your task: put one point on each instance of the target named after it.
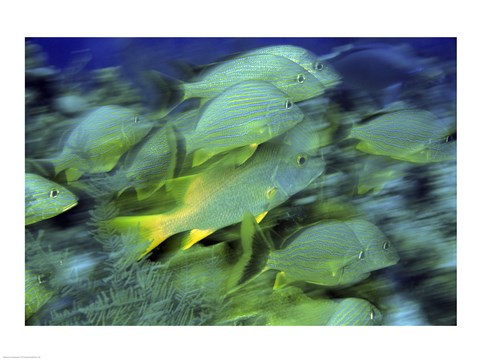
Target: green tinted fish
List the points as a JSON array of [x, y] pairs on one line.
[[289, 306], [246, 114], [354, 311], [154, 163], [98, 142], [220, 195], [409, 135], [286, 75], [323, 312], [45, 199], [327, 254], [36, 295], [322, 71]]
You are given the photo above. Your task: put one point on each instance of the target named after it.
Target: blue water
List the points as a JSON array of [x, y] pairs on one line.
[[113, 51]]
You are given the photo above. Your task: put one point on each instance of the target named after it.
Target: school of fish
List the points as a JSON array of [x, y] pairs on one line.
[[247, 148]]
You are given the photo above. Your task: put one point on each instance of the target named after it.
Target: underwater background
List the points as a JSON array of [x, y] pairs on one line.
[[79, 272]]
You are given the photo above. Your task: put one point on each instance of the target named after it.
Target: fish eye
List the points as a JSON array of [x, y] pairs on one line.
[[136, 119], [451, 137], [361, 256], [54, 193], [386, 245], [301, 159], [318, 66], [288, 104], [300, 78]]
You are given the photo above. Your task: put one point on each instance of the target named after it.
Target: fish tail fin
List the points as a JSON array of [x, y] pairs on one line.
[[256, 247], [151, 233], [168, 92]]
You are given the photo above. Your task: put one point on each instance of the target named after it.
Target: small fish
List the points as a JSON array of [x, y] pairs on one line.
[[322, 71], [97, 143], [220, 195], [36, 294], [408, 135], [45, 199], [286, 75], [246, 114], [153, 164], [354, 311], [327, 254]]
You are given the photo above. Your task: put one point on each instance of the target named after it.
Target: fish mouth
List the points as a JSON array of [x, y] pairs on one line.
[[68, 207]]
